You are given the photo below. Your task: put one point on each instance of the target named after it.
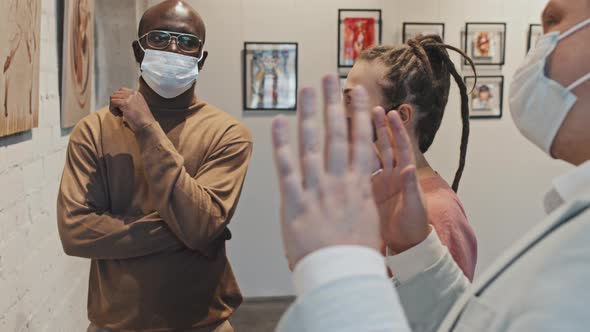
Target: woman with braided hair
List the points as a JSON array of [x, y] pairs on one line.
[[414, 79]]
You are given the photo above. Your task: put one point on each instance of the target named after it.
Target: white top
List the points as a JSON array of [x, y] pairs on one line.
[[334, 263]]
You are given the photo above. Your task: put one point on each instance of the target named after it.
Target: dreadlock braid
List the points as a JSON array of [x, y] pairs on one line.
[[419, 73]]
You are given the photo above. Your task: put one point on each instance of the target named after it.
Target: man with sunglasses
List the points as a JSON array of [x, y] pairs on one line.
[[149, 186]]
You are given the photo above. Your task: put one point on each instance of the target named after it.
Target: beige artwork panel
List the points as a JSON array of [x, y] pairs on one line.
[[20, 24], [78, 61]]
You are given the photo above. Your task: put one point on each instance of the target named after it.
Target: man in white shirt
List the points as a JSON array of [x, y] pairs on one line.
[[331, 228]]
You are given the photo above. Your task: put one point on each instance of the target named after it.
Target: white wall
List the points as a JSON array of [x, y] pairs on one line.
[[115, 30], [40, 288], [505, 178]]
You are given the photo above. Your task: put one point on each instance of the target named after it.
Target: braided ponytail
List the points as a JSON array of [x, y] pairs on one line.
[[419, 74]]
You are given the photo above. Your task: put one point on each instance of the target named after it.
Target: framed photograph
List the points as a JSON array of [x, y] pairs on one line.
[[270, 76], [358, 30], [415, 29], [20, 54], [485, 43], [485, 102], [535, 32]]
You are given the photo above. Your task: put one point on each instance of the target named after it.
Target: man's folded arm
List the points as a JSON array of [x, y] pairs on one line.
[[198, 207], [86, 227]]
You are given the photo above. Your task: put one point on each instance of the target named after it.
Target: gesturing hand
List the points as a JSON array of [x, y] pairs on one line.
[[326, 198], [132, 106], [404, 221]]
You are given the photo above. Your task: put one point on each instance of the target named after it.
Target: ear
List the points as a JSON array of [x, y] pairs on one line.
[[202, 62], [406, 113], [137, 51]]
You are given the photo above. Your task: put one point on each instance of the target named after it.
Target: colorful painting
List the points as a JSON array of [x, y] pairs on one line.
[[358, 30], [20, 24], [78, 61], [271, 76], [359, 35], [485, 43], [487, 96]]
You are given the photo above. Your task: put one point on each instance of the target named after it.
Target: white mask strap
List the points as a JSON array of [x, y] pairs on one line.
[[575, 29], [579, 82]]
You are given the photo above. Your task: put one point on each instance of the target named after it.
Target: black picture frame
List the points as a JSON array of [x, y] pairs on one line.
[[379, 30], [532, 26], [490, 115], [481, 62], [408, 24], [267, 46]]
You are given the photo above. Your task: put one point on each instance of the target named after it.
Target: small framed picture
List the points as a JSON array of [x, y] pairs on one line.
[[415, 29], [270, 76], [485, 102], [535, 32], [485, 43], [358, 30]]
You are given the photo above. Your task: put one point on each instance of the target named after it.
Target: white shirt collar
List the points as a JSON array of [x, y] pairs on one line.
[[568, 187]]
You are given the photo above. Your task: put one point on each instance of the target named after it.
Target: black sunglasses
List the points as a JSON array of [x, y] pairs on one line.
[[160, 40]]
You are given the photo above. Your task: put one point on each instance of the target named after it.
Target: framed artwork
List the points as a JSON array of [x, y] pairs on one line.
[[415, 29], [358, 30], [485, 43], [270, 76], [20, 28], [78, 61], [485, 102], [535, 32]]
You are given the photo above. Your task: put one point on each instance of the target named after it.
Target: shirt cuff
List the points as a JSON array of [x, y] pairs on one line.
[[333, 263], [417, 259]]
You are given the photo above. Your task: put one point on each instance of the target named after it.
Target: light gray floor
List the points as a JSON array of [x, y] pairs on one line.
[[259, 315]]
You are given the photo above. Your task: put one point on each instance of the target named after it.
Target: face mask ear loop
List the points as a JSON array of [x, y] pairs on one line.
[[200, 57], [579, 82], [574, 29]]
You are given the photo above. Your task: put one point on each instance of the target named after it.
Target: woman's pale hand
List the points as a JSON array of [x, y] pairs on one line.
[[326, 197], [402, 211]]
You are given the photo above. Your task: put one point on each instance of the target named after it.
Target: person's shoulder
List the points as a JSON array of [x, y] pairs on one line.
[[441, 201], [88, 128], [232, 129]]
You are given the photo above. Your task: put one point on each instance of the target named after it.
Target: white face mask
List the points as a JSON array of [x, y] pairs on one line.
[[538, 104], [169, 74]]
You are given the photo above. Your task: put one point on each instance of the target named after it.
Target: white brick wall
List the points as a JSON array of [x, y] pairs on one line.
[[41, 289]]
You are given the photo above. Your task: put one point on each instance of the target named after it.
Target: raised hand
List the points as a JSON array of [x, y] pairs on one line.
[[326, 197], [131, 105], [404, 220]]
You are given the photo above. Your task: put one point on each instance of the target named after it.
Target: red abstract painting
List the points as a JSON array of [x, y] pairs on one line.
[[359, 34]]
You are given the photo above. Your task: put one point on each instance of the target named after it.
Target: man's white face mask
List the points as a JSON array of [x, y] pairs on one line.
[[539, 105], [169, 74]]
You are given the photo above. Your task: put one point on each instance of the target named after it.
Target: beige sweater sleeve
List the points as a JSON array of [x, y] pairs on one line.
[[196, 207], [86, 227]]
